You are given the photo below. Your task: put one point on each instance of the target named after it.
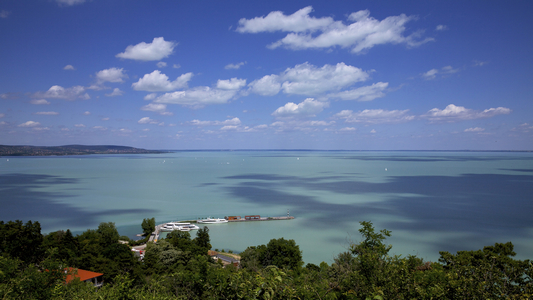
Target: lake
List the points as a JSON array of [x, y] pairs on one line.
[[431, 201]]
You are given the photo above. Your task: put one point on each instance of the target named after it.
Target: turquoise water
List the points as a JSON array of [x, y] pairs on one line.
[[431, 201]]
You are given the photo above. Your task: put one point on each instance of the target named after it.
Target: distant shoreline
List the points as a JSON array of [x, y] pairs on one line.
[[15, 150], [71, 150]]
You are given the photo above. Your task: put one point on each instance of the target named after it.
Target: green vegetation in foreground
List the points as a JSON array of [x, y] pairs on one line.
[[70, 150], [32, 264]]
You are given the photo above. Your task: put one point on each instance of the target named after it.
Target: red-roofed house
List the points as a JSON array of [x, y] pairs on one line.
[[96, 279]]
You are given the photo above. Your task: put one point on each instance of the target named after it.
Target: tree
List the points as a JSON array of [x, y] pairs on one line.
[[108, 233], [21, 241], [280, 252], [202, 240], [148, 226]]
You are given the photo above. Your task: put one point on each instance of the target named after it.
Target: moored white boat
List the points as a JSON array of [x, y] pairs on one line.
[[178, 226], [211, 221]]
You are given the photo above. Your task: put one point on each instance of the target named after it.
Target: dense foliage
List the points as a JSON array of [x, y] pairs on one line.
[[31, 267]]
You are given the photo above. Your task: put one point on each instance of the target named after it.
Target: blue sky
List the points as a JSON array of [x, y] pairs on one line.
[[355, 75]]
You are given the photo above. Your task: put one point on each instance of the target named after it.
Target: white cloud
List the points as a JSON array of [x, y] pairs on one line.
[[47, 113], [306, 79], [197, 97], [156, 50], [373, 131], [365, 93], [432, 74], [269, 85], [441, 27], [100, 128], [30, 124], [231, 84], [348, 129], [157, 82], [2, 115], [4, 14], [87, 113], [105, 119], [235, 66], [454, 113], [59, 92], [161, 64], [375, 116], [478, 63], [110, 75], [69, 67], [69, 2], [176, 66], [309, 80], [150, 96], [116, 92], [277, 21], [147, 120], [475, 129], [158, 108], [79, 125], [39, 102], [230, 122], [308, 108], [363, 33]]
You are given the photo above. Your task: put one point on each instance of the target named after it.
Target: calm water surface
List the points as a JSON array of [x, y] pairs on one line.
[[431, 201]]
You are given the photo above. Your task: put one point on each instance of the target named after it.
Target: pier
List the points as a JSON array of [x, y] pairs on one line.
[[154, 237]]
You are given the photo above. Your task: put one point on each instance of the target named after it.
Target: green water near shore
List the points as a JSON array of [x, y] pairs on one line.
[[430, 201]]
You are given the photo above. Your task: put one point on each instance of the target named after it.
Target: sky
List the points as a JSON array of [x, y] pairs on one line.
[[322, 75]]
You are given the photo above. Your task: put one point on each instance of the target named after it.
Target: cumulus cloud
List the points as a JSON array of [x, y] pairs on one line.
[[116, 92], [235, 66], [39, 102], [59, 92], [158, 82], [453, 113], [100, 128], [156, 50], [110, 75], [348, 129], [365, 93], [231, 84], [161, 64], [230, 122], [309, 80], [375, 116], [269, 85], [47, 113], [158, 108], [79, 125], [307, 108], [305, 32], [441, 27], [197, 97], [147, 120], [69, 2], [69, 67], [29, 124], [432, 74], [475, 129], [4, 14], [176, 66], [87, 113]]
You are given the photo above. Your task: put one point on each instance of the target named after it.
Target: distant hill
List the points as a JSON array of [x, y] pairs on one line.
[[70, 150]]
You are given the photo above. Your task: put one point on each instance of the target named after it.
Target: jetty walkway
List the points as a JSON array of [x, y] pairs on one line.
[[154, 237]]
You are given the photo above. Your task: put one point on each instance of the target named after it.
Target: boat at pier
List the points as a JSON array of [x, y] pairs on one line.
[[211, 221], [179, 226]]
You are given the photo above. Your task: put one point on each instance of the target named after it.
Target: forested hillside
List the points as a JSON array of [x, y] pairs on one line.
[[32, 267]]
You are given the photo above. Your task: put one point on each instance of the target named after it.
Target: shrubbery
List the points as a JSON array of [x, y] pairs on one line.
[[31, 267]]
